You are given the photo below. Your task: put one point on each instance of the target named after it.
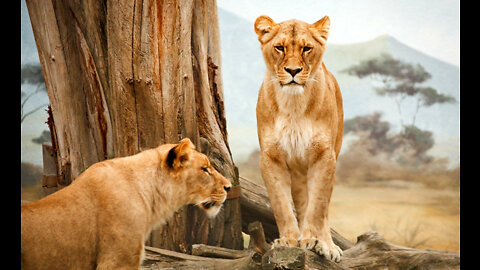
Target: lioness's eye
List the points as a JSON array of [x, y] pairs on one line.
[[280, 48], [306, 49], [205, 170]]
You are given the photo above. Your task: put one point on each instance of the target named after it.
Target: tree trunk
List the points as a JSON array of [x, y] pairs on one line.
[[125, 76]]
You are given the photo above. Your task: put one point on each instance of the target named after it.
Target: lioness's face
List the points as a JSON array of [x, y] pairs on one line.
[[206, 187], [292, 49]]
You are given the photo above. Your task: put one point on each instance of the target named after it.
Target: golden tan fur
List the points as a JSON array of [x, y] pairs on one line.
[[102, 219], [300, 130]]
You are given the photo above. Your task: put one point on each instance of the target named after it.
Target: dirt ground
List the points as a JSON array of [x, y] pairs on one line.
[[404, 213]]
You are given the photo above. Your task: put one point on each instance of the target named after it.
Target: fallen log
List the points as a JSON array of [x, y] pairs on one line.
[[256, 207], [371, 251], [218, 252], [257, 236], [296, 258], [156, 258]]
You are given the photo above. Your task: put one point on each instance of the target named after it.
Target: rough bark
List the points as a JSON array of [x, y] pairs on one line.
[[257, 238], [219, 252], [370, 252], [156, 258], [125, 76]]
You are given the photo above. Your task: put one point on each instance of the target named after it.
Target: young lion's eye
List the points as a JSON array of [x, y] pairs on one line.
[[205, 169], [279, 48], [306, 49]]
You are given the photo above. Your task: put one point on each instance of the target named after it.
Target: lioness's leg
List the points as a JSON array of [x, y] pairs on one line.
[[120, 258], [277, 181], [299, 195], [116, 250], [315, 234]]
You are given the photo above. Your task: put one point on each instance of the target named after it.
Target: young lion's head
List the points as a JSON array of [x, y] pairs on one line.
[[292, 49], [206, 187]]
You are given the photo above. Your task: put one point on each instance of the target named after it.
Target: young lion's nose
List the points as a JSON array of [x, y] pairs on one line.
[[293, 71], [227, 188]]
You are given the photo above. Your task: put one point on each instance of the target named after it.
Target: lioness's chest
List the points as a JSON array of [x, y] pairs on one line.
[[294, 135]]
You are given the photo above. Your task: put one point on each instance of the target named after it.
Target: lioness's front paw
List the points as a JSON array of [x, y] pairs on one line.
[[285, 242], [329, 250]]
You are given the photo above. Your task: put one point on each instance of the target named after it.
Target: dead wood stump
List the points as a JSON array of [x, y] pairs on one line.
[[371, 251]]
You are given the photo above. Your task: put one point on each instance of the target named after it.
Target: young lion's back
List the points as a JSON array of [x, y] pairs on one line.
[[73, 220], [53, 222]]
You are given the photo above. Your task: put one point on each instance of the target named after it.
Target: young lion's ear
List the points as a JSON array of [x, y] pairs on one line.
[[320, 29], [265, 28], [179, 154]]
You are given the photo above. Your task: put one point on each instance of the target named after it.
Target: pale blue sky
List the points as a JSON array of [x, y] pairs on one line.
[[432, 26]]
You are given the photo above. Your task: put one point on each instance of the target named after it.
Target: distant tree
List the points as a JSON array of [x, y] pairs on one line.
[[31, 74], [411, 142], [44, 137], [399, 80], [418, 140], [30, 174], [374, 129]]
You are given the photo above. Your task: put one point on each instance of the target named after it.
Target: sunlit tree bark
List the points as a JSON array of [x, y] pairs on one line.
[[124, 76]]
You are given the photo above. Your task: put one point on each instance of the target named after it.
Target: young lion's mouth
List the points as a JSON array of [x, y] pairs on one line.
[[207, 205]]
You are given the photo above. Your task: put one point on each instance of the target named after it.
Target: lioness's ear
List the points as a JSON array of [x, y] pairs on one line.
[[265, 28], [179, 154], [320, 30]]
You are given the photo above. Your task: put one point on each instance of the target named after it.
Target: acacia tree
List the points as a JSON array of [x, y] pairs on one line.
[[124, 76], [399, 80], [31, 74], [411, 140]]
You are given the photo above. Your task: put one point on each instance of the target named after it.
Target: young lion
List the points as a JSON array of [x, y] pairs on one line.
[[102, 219], [300, 129]]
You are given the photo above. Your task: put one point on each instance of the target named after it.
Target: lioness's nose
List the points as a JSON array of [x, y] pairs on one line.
[[227, 188], [293, 71]]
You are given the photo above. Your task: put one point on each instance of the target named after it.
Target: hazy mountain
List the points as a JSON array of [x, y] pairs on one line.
[[28, 52], [244, 68]]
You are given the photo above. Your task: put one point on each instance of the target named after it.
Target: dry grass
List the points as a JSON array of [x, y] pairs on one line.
[[413, 215], [357, 166]]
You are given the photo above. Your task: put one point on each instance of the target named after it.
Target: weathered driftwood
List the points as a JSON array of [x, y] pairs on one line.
[[370, 252], [156, 258], [256, 207], [257, 236], [218, 252], [295, 258]]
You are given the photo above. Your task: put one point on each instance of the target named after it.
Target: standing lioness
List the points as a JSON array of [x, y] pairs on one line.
[[102, 219], [300, 129]]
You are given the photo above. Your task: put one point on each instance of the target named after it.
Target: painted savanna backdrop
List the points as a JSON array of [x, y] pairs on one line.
[[397, 64]]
